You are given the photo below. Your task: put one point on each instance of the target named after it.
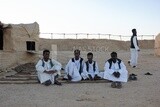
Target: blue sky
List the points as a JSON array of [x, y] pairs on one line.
[[85, 16]]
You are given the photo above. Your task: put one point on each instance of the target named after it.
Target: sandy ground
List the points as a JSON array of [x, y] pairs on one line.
[[145, 92]]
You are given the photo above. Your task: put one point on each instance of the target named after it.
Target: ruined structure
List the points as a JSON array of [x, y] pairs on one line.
[[18, 44]]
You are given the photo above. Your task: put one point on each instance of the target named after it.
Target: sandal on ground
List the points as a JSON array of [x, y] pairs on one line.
[[57, 83], [132, 77], [148, 73], [113, 84], [118, 85]]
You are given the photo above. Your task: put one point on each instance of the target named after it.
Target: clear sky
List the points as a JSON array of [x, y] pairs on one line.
[[85, 16]]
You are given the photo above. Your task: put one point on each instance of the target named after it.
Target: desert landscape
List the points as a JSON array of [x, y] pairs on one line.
[[28, 27], [144, 92]]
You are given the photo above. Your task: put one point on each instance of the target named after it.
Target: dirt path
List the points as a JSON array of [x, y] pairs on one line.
[[145, 92]]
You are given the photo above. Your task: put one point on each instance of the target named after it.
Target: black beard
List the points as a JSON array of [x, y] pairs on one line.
[[114, 61], [89, 61], [76, 58]]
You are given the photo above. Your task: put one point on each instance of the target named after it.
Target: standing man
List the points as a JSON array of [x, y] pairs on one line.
[[48, 70], [115, 71], [74, 67], [134, 49]]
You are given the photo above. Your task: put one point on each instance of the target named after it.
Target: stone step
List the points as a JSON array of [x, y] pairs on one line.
[[7, 81], [32, 79], [19, 78], [19, 82]]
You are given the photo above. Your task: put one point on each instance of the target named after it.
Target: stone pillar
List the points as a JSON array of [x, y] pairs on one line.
[[157, 45], [54, 51]]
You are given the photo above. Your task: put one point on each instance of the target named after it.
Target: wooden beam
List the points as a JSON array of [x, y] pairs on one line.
[[18, 82], [7, 81]]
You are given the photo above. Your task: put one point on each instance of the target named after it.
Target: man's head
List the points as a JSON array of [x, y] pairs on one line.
[[46, 54], [134, 32], [77, 54], [114, 56], [90, 56]]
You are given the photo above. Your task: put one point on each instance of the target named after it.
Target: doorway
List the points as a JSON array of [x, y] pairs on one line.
[[1, 39]]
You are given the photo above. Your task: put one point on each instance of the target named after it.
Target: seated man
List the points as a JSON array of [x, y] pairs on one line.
[[90, 70], [74, 68], [115, 71], [48, 70]]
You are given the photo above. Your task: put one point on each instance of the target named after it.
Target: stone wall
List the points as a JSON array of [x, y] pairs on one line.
[[92, 44], [157, 45], [62, 50], [10, 59]]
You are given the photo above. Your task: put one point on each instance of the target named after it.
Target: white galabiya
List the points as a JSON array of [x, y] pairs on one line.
[[74, 68], [115, 66], [90, 69], [43, 65], [134, 48]]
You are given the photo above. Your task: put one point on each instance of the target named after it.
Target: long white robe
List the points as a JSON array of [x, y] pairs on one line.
[[91, 71], [47, 66], [72, 68], [108, 73], [134, 53]]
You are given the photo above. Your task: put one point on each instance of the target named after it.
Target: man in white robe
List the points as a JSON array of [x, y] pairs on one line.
[[134, 49], [90, 69], [48, 70], [74, 68], [115, 71]]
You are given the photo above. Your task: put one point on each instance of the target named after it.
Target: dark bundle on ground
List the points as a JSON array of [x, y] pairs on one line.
[[28, 68]]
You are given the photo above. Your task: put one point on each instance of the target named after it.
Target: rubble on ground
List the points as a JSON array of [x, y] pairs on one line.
[[28, 68]]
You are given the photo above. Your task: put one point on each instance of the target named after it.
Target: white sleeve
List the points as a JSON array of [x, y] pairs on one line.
[[39, 67], [84, 69], [106, 68], [57, 65], [83, 63], [135, 43], [123, 67], [97, 69], [67, 66]]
